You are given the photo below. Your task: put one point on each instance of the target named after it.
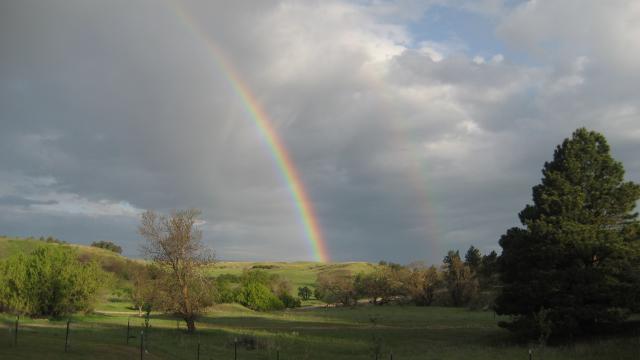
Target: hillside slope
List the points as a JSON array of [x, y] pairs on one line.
[[110, 261]]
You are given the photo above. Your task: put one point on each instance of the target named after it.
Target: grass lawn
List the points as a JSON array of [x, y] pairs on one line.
[[319, 333]]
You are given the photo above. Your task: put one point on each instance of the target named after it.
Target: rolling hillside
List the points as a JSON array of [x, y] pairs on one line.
[[297, 273]]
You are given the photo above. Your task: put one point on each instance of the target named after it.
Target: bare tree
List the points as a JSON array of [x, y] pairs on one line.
[[175, 244]]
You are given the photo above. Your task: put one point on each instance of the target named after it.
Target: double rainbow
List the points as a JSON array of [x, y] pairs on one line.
[[276, 147]]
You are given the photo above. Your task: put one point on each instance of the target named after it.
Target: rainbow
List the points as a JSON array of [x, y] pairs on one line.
[[276, 147]]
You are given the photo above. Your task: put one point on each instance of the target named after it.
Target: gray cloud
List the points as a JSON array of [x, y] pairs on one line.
[[407, 146], [20, 201]]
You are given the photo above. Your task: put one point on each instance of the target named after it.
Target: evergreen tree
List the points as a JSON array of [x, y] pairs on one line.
[[473, 258], [489, 265], [574, 265]]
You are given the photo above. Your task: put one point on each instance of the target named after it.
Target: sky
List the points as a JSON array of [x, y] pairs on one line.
[[415, 126]]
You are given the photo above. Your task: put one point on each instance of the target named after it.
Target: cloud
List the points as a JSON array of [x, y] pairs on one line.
[[408, 144]]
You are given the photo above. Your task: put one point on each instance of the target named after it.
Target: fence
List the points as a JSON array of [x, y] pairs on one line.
[[143, 341]]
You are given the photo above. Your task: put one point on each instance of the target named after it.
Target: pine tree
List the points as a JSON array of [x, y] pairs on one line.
[[473, 258], [575, 264]]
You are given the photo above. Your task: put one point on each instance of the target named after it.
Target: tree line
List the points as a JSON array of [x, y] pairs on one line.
[[456, 282]]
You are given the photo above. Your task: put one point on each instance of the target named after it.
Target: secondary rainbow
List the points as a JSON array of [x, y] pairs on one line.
[[277, 149]]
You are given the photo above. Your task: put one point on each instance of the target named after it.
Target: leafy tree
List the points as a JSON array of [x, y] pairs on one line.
[[422, 284], [575, 262], [381, 285], [174, 244], [304, 293], [451, 257], [473, 258], [49, 282], [460, 279], [108, 245], [144, 294], [282, 289], [336, 287]]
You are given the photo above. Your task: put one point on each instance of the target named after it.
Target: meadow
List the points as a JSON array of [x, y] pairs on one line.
[[317, 333], [314, 331]]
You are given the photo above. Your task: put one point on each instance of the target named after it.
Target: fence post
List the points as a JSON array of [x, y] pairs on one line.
[[15, 333], [198, 353], [128, 328], [391, 355], [235, 349], [141, 344], [277, 354], [530, 354], [66, 338]]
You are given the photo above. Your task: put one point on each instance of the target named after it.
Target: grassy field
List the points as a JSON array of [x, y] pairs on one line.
[[299, 274], [313, 332], [317, 333]]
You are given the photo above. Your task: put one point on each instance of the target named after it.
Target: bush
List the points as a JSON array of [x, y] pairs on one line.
[[304, 293], [257, 296], [49, 282], [224, 287], [107, 245], [290, 301], [52, 240]]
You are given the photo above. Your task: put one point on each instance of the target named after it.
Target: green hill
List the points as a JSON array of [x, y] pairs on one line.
[[110, 261], [301, 273]]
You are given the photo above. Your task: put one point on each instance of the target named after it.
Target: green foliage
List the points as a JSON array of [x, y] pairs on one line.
[[304, 292], [489, 265], [49, 282], [108, 245], [257, 296], [577, 259], [52, 240], [336, 286], [258, 276], [411, 333], [225, 285], [289, 301], [473, 258], [460, 279], [261, 291], [146, 281], [383, 284]]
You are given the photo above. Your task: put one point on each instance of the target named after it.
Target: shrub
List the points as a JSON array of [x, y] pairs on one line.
[[107, 245], [257, 296], [224, 287], [290, 301], [49, 282], [304, 293]]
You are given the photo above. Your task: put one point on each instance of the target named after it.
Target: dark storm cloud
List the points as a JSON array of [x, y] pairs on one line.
[[408, 147]]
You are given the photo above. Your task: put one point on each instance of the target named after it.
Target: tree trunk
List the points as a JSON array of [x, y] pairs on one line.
[[191, 324]]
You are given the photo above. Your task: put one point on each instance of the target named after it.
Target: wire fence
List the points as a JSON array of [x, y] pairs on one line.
[[134, 338]]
